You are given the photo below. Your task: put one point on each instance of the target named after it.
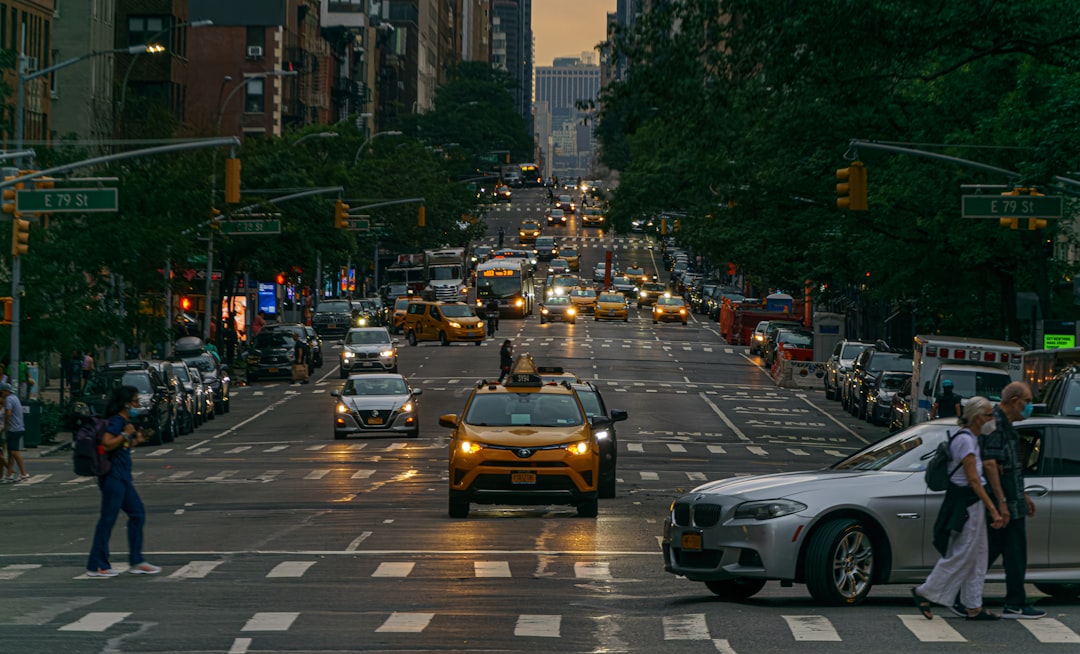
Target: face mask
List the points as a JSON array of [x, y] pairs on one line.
[[1028, 409], [988, 427], [132, 412]]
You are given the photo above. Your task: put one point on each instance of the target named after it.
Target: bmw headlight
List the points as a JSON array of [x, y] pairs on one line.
[[348, 355], [767, 509], [386, 354]]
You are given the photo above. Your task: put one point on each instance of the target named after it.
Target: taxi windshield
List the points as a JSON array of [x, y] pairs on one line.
[[670, 301], [635, 271], [524, 409], [611, 297], [457, 311], [402, 303], [583, 292]]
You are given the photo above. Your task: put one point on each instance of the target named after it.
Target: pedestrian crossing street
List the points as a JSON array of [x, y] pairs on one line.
[[374, 451]]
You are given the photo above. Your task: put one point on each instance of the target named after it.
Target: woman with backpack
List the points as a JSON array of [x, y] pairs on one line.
[[960, 529], [118, 488]]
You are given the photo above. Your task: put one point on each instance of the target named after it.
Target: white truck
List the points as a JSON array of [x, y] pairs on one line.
[[446, 273], [975, 366]]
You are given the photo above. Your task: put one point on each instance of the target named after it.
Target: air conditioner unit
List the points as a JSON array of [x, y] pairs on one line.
[[54, 94], [31, 64], [255, 51]]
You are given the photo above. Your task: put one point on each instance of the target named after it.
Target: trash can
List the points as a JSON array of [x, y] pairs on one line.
[[32, 419]]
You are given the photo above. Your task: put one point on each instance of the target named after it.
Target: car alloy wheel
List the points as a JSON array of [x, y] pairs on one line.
[[840, 563]]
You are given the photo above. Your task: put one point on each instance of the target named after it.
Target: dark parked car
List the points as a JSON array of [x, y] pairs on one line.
[[838, 365], [607, 440], [271, 355], [880, 394], [308, 335], [194, 390], [1061, 395], [156, 410], [214, 375], [900, 411], [332, 317], [867, 365], [183, 421]]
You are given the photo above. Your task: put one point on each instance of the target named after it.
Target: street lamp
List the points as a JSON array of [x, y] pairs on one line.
[[247, 80], [317, 135], [151, 42], [20, 108], [369, 139]]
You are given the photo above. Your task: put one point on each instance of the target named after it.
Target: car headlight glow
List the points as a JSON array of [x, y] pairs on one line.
[[602, 434], [519, 302], [767, 509], [682, 311], [407, 407], [570, 312], [544, 311], [348, 355], [578, 448], [643, 294], [469, 447], [386, 354], [455, 324], [342, 408]]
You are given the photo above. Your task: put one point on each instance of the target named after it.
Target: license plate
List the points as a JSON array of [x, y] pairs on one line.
[[523, 477], [374, 421], [331, 326], [611, 313], [691, 542], [273, 370]]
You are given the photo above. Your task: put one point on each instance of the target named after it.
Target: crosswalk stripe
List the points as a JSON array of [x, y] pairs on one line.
[[541, 626], [408, 623], [649, 476], [811, 628], [276, 448], [315, 448], [222, 476], [269, 475], [35, 479], [635, 447], [356, 447], [696, 476], [834, 452], [77, 480], [161, 452], [238, 450], [1049, 630], [675, 447], [180, 474], [491, 568], [271, 621], [240, 645], [197, 452], [15, 569], [691, 626], [195, 570], [396, 446], [290, 569], [592, 570], [95, 622], [362, 474], [717, 449], [931, 631], [317, 474], [798, 451], [754, 449], [394, 569]]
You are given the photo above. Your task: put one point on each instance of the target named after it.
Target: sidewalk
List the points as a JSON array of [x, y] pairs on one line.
[[51, 393]]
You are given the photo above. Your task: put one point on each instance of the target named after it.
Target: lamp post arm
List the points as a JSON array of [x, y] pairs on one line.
[[294, 196]]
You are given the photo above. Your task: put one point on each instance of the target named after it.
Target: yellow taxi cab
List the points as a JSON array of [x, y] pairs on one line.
[[528, 231], [573, 259], [557, 375], [592, 218], [523, 442], [669, 309], [446, 322], [649, 292], [611, 305], [583, 299], [636, 274], [397, 314]]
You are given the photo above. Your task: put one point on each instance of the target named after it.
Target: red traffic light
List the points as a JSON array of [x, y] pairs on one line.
[[281, 278], [185, 303]]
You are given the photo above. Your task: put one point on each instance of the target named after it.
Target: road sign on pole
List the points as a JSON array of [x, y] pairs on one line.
[[360, 224], [1011, 206], [67, 200], [250, 227]]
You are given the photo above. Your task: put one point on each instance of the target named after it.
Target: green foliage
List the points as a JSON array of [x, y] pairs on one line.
[[741, 116]]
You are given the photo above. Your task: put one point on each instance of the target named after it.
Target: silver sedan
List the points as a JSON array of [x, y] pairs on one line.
[[867, 520], [376, 405]]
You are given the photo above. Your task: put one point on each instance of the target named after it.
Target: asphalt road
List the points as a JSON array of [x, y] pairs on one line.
[[273, 537]]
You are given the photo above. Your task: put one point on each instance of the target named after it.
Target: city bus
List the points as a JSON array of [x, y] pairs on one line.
[[530, 175], [509, 282]]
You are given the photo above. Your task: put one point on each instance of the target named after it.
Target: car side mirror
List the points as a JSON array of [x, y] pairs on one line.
[[618, 415], [335, 393], [448, 420], [418, 391], [601, 422]]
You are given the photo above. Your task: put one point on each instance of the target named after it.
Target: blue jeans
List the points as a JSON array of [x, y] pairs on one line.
[[117, 493]]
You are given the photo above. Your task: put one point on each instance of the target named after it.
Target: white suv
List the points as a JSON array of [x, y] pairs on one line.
[[368, 349]]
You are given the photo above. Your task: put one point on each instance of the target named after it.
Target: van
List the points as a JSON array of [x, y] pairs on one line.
[[446, 322], [974, 366]]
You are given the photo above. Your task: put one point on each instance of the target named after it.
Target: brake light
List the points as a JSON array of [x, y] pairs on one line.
[[944, 353]]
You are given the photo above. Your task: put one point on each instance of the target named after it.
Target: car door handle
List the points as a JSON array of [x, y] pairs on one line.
[[908, 516], [1037, 491]]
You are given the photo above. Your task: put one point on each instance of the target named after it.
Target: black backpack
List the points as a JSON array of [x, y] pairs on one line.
[[937, 472], [88, 454]]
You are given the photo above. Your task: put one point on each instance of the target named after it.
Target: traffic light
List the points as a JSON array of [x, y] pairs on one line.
[[9, 197], [678, 225], [421, 217], [663, 227], [5, 302], [280, 279], [20, 236], [232, 180], [185, 303], [852, 189], [215, 218], [341, 215], [1036, 223], [1011, 223]]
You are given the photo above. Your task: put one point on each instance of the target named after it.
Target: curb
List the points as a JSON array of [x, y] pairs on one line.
[[47, 450]]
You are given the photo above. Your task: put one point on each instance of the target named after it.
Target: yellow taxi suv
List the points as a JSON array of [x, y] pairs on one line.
[[573, 258], [446, 322], [528, 231], [669, 309], [592, 218], [636, 274], [583, 299], [649, 292], [523, 442], [612, 306]]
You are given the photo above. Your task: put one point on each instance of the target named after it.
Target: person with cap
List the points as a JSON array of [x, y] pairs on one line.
[[947, 403], [14, 431]]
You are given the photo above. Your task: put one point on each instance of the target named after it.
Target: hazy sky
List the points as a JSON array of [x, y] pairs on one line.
[[566, 28]]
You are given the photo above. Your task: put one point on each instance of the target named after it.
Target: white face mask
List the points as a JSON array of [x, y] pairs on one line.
[[988, 427]]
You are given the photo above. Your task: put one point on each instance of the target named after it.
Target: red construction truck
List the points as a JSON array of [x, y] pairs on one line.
[[737, 321]]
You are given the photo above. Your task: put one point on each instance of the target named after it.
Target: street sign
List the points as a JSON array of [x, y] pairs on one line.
[[250, 227], [359, 224], [67, 200], [197, 258], [1012, 206]]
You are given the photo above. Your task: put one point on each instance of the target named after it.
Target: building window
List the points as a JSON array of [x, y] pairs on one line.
[[256, 36], [254, 98], [346, 6], [141, 29]]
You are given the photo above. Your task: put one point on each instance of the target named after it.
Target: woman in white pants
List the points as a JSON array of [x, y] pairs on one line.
[[960, 529]]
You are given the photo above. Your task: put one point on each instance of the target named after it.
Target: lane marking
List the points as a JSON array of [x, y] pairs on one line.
[[727, 421], [649, 476], [242, 423], [271, 621], [811, 628], [691, 626], [290, 569], [362, 474], [95, 622], [14, 570], [159, 452], [539, 626], [240, 646], [491, 568], [717, 449], [394, 569], [238, 450], [635, 447], [195, 570], [675, 447], [405, 623], [839, 424], [317, 474], [931, 631], [592, 570], [351, 547], [1049, 630]]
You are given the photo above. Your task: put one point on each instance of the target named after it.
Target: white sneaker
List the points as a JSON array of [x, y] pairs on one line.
[[102, 572], [144, 568]]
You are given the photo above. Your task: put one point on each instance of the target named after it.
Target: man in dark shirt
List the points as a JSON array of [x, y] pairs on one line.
[[947, 404], [1005, 475]]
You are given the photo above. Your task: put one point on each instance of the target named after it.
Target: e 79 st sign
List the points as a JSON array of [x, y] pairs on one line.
[[1011, 206], [68, 200]]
